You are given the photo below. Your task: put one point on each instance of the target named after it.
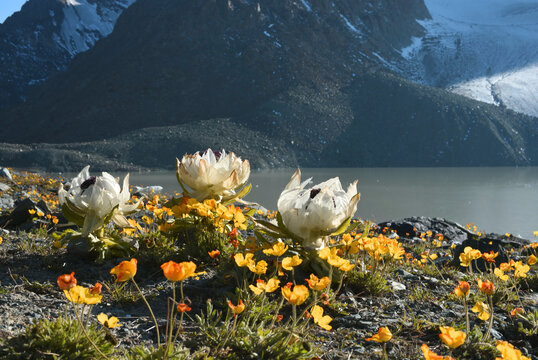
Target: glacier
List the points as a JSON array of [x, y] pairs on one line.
[[483, 49]]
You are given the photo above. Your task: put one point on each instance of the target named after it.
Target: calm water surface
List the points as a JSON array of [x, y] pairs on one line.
[[495, 199]]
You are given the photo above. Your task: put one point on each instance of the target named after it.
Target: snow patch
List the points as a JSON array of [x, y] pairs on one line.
[[85, 23], [350, 25], [306, 5], [408, 51]]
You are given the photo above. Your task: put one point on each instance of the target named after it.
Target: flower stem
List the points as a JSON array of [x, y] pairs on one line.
[[490, 324], [86, 333], [150, 311], [466, 309], [385, 351]]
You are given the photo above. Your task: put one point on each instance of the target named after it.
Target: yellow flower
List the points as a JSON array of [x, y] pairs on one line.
[[289, 263], [520, 269], [111, 322], [451, 337], [246, 260], [297, 296], [126, 270], [278, 249], [469, 254], [463, 289], [532, 260], [262, 286], [81, 295], [346, 266], [509, 352], [383, 335], [482, 310], [500, 274], [259, 269], [31, 211], [322, 321], [318, 284]]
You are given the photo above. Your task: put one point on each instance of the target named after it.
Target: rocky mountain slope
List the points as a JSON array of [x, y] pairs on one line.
[[281, 82], [42, 39]]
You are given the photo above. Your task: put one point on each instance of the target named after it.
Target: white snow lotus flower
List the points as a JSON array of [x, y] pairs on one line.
[[316, 212], [213, 175], [92, 200]]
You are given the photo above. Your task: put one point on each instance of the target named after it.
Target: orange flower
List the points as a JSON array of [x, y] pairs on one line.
[[320, 319], [214, 254], [236, 309], [463, 289], [430, 355], [383, 335], [181, 307], [532, 260], [490, 257], [178, 271], [66, 281], [451, 337], [297, 296], [96, 289], [125, 271], [486, 287], [517, 311], [318, 284]]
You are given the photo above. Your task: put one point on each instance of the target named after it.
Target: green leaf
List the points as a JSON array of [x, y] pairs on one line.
[[185, 192], [342, 227], [72, 215], [240, 195], [251, 212], [268, 225]]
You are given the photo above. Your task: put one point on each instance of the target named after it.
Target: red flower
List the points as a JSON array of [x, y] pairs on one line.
[[66, 281]]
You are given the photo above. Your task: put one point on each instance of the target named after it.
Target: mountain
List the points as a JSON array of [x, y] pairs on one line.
[[484, 49], [283, 83], [44, 37]]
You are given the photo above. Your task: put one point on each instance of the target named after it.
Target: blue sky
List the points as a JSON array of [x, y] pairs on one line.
[[8, 7]]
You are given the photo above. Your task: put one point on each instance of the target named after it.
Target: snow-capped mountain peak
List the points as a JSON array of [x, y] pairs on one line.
[[45, 36]]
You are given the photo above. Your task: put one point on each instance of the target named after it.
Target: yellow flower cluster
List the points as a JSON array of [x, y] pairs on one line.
[[219, 214]]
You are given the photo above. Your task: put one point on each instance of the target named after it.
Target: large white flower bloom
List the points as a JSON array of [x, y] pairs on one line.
[[216, 175], [312, 213], [91, 200]]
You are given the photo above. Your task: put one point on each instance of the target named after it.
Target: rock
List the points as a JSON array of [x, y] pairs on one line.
[[20, 214], [488, 243], [397, 286], [80, 248], [4, 187], [406, 275], [412, 227], [4, 173]]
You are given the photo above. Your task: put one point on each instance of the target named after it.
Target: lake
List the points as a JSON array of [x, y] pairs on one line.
[[500, 199]]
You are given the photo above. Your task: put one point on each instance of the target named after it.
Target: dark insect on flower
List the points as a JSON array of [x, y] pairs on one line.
[[314, 192], [88, 182], [217, 154]]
